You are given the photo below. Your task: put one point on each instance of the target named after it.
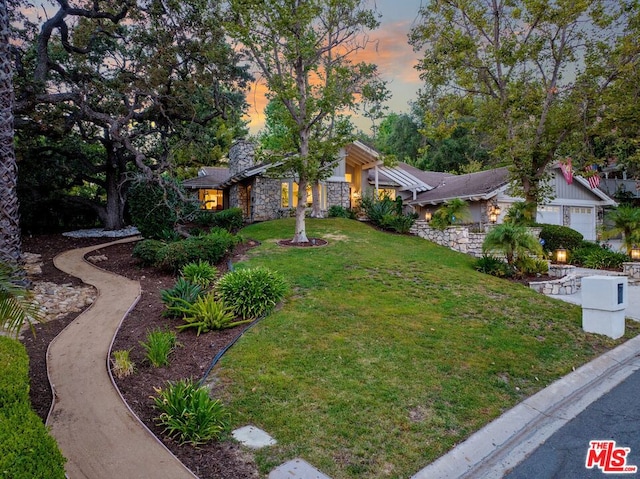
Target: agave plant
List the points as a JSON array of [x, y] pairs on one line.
[[16, 306]]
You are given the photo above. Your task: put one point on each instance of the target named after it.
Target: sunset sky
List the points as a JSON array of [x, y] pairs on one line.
[[389, 49]]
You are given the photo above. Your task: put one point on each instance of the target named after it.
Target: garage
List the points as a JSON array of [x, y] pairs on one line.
[[583, 220], [549, 215]]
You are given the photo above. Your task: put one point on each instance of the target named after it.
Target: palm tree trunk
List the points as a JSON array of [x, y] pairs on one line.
[[10, 243]]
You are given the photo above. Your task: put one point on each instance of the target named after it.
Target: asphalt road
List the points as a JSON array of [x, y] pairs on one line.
[[613, 417]]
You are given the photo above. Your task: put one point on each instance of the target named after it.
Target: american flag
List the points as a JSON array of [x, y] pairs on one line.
[[594, 177], [567, 172]]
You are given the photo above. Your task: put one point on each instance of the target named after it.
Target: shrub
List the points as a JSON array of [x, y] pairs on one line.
[[527, 265], [511, 240], [183, 292], [387, 214], [200, 273], [337, 211], [556, 236], [251, 292], [207, 314], [16, 307], [521, 213], [211, 247], [188, 413], [230, 220], [148, 251], [122, 364], [451, 212], [598, 258], [158, 347], [154, 208], [27, 450], [625, 220], [494, 266]]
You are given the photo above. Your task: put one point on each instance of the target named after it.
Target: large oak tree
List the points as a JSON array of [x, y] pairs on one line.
[[141, 78]]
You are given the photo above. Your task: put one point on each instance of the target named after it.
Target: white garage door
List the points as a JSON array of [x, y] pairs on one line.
[[584, 221], [549, 215]]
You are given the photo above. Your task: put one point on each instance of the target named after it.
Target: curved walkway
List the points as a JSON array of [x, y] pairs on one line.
[[95, 430]]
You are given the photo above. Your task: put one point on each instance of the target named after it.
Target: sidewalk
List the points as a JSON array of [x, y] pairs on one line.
[[532, 438], [96, 432]]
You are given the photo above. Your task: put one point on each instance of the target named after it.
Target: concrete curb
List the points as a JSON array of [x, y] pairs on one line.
[[498, 447]]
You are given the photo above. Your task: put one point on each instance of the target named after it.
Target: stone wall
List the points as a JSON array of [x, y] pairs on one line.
[[265, 198], [238, 198], [631, 270], [458, 238], [241, 156], [567, 285], [338, 194]]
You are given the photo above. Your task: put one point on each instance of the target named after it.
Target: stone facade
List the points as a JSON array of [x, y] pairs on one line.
[[265, 198], [241, 156], [338, 194], [238, 196]]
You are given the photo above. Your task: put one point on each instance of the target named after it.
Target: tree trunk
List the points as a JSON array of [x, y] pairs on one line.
[[316, 207], [113, 219], [301, 226], [10, 242]]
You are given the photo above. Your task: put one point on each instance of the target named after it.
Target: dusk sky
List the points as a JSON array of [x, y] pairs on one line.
[[388, 48]]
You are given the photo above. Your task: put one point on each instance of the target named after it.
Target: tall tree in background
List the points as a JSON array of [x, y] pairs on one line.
[[302, 49], [10, 244], [522, 67], [141, 79]]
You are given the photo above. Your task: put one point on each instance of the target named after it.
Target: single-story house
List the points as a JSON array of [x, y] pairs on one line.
[[263, 195]]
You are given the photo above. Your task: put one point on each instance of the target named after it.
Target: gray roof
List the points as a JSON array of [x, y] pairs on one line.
[[208, 177], [472, 186]]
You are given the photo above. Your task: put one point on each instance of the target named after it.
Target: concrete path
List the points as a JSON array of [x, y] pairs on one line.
[[95, 430]]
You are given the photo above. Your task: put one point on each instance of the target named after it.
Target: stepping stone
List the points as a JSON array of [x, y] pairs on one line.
[[253, 437], [297, 469]]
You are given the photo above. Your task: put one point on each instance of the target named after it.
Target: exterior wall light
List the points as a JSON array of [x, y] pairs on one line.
[[427, 216], [635, 253], [561, 255], [493, 217]]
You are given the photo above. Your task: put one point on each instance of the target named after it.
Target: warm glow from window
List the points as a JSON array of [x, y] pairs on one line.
[[348, 177], [211, 199], [388, 192], [289, 194]]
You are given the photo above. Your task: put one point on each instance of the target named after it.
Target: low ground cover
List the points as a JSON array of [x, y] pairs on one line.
[[26, 448], [390, 350]]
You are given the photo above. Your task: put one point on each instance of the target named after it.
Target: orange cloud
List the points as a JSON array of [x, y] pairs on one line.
[[388, 48]]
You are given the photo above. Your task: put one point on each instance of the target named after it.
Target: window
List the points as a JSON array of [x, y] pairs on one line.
[[211, 199], [289, 195], [387, 192]]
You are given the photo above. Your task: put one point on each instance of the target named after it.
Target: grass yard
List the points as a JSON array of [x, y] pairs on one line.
[[390, 350]]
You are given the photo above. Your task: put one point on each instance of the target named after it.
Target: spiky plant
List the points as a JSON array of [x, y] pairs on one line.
[[512, 241], [16, 306]]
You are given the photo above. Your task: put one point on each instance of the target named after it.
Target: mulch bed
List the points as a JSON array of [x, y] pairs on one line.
[[225, 459]]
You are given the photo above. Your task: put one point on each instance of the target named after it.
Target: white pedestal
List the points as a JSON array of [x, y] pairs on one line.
[[604, 301]]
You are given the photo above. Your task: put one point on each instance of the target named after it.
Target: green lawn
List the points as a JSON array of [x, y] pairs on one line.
[[390, 350]]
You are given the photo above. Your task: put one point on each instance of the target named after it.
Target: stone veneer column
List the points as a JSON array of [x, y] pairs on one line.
[[241, 156], [338, 194]]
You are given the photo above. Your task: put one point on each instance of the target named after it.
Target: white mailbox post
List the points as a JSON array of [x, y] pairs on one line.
[[604, 301]]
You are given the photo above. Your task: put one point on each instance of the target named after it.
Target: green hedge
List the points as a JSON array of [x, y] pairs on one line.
[[231, 220], [556, 236], [211, 247], [27, 451]]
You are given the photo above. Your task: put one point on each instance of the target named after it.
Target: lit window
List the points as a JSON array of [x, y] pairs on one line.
[[289, 195], [284, 195], [386, 192], [211, 199]]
